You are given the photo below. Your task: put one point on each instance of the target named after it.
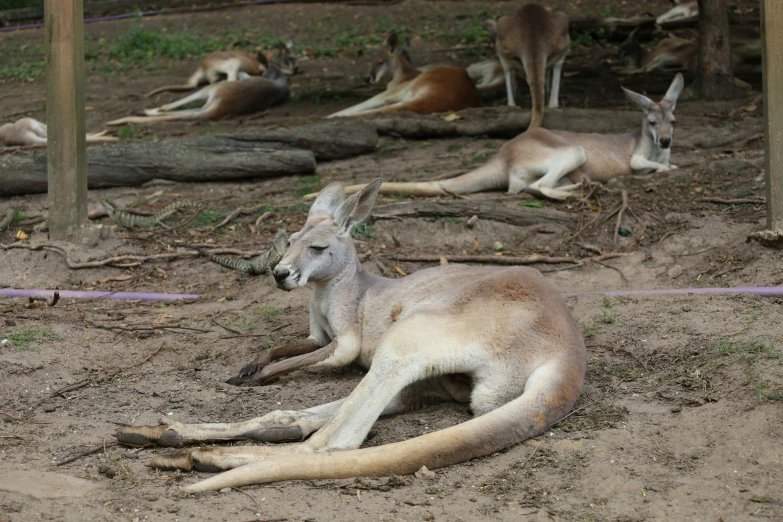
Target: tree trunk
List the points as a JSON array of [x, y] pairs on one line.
[[715, 77], [219, 157]]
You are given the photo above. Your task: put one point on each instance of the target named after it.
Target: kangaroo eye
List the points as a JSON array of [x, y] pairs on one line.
[[652, 123], [318, 248]]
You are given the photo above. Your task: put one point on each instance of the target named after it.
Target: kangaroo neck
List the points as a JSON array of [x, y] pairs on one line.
[[404, 71]]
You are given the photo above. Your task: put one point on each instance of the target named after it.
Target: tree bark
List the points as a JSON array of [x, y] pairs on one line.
[[281, 152], [715, 77]]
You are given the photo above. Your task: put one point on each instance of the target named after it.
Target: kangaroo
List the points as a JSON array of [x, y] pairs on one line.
[[536, 160], [227, 65], [27, 132], [247, 95], [500, 339], [533, 40], [682, 10], [438, 89], [678, 53]]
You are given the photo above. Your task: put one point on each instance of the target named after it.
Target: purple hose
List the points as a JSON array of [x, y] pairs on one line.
[[768, 291], [86, 20], [74, 294]]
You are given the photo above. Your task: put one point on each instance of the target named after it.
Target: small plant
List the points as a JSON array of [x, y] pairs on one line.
[[532, 204], [608, 319], [130, 131], [589, 330], [479, 158], [454, 147], [22, 338], [270, 311], [207, 218], [364, 231], [608, 303], [19, 216], [752, 354]]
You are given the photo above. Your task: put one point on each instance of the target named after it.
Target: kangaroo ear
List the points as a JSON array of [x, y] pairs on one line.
[[328, 200], [674, 90], [641, 101], [392, 41], [356, 208], [261, 57], [492, 27], [289, 45]]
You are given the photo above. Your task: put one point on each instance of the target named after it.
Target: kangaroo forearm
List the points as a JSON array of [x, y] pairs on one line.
[[294, 363], [294, 349]]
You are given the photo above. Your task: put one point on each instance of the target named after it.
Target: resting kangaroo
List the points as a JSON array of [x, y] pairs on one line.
[[535, 41], [247, 95], [537, 159], [501, 339], [438, 89], [227, 65], [27, 132], [682, 11]]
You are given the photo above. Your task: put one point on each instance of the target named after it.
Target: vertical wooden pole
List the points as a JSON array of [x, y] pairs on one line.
[[65, 117], [772, 60]]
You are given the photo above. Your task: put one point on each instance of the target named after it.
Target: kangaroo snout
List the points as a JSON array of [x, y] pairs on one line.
[[665, 142], [281, 274]]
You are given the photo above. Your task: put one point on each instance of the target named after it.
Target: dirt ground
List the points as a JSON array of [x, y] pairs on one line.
[[681, 414]]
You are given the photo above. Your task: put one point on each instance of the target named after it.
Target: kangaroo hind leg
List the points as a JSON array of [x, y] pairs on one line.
[[553, 167]]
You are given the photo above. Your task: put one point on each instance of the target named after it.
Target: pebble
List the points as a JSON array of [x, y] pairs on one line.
[[225, 490], [676, 409], [172, 509], [686, 308], [675, 272], [49, 408], [131, 455]]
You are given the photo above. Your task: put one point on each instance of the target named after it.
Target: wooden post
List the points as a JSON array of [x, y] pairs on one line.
[[772, 59], [65, 117]]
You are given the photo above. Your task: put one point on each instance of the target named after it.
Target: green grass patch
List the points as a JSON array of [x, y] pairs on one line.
[[608, 303], [454, 147], [363, 231], [19, 216], [23, 338], [608, 319], [752, 354], [479, 158], [268, 312], [590, 330], [208, 218]]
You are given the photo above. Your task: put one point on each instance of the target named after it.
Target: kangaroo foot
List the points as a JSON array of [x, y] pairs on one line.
[[163, 434], [216, 459], [247, 372]]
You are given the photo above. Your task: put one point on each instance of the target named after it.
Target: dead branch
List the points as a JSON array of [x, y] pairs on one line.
[[620, 214], [87, 453], [757, 201], [12, 416], [489, 210], [145, 328]]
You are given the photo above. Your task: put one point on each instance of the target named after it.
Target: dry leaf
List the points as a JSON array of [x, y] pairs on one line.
[[570, 73], [121, 277], [451, 117], [472, 221], [20, 235], [750, 108], [161, 319], [399, 271], [424, 473], [443, 260], [475, 245]]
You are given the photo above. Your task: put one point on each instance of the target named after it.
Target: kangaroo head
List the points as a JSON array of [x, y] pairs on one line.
[[631, 48], [659, 117], [323, 248], [384, 64], [285, 59]]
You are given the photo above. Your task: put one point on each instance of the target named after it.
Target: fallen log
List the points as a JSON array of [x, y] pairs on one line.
[[508, 122], [281, 152], [490, 210], [618, 29]]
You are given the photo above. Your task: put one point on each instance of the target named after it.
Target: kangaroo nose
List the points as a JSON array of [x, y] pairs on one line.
[[281, 274], [368, 79], [665, 142]]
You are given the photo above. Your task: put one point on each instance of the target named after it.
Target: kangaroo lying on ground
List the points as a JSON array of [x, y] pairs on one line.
[[247, 95], [437, 89], [27, 132], [678, 53], [226, 65], [537, 159], [498, 338], [534, 40]]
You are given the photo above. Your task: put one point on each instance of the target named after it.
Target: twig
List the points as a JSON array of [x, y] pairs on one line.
[[128, 260], [522, 466], [595, 260], [146, 328], [620, 214], [258, 508], [757, 201], [214, 320], [11, 437], [86, 453], [83, 382], [239, 211], [12, 416], [667, 234], [560, 268]]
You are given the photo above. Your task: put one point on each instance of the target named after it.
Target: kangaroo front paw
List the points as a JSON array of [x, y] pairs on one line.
[[249, 373], [163, 435]]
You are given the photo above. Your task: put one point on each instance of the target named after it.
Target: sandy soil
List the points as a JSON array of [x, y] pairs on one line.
[[681, 414]]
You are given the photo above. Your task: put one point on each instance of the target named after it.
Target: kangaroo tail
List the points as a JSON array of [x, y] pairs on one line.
[[535, 68], [490, 176], [549, 395], [173, 116], [175, 88]]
